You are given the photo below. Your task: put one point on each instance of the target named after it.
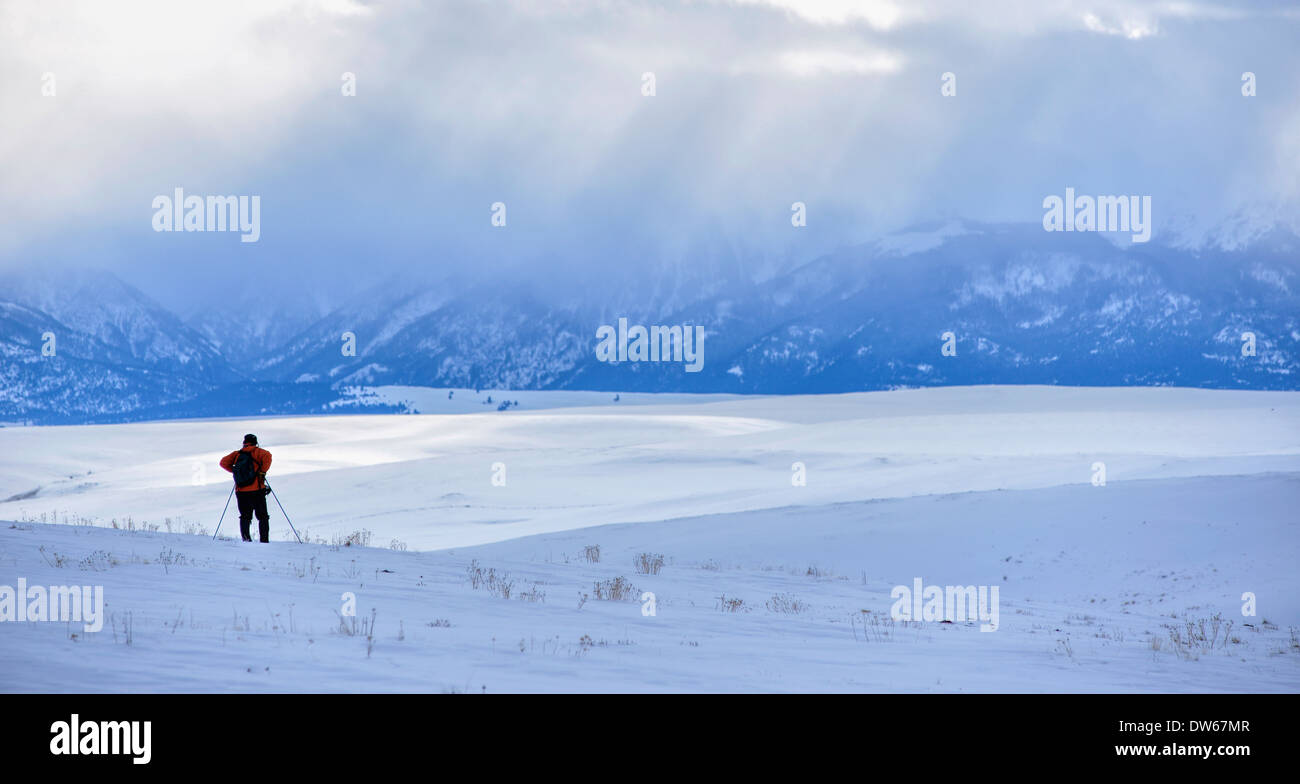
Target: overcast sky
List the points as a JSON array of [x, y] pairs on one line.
[[537, 104]]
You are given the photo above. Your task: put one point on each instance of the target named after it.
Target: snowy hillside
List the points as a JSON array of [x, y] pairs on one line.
[[764, 584]]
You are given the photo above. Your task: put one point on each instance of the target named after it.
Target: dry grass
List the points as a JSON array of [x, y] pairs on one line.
[[1199, 636], [359, 538], [648, 563], [731, 604], [617, 589], [786, 603], [496, 583]]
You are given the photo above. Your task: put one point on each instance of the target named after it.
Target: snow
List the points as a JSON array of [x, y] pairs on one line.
[[456, 400], [907, 243], [981, 486]]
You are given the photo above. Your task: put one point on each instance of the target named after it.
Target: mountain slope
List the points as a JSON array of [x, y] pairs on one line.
[[114, 349], [1024, 306]]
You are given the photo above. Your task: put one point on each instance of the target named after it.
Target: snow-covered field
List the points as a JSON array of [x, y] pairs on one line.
[[766, 584]]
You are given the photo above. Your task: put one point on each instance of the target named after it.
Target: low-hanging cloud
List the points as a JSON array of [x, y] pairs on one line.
[[539, 105]]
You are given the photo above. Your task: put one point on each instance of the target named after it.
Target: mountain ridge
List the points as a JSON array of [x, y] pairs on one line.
[[1024, 306]]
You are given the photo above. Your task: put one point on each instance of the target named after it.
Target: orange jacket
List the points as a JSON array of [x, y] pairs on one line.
[[260, 456]]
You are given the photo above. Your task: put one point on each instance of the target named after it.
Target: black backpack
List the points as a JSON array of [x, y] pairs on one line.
[[246, 469]]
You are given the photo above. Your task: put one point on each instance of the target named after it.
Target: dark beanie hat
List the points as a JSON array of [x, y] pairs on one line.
[[250, 439]]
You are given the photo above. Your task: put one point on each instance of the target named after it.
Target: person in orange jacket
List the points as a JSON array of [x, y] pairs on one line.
[[252, 493]]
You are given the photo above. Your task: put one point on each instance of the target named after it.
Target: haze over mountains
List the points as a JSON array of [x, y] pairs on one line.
[[1026, 307]]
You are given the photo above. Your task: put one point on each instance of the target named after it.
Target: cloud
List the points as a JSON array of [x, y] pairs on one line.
[[151, 91], [759, 103], [1132, 29], [811, 63], [880, 14]]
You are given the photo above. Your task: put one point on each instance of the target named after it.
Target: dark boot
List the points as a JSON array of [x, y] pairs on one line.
[[247, 505], [263, 517]]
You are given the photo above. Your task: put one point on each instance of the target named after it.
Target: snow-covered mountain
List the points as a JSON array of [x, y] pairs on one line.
[[83, 343], [99, 305], [1024, 306], [245, 327]]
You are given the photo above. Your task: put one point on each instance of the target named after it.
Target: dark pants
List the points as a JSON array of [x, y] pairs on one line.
[[250, 502]]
